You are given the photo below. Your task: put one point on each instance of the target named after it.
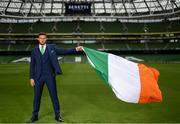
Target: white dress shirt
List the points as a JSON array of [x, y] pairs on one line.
[[40, 47]]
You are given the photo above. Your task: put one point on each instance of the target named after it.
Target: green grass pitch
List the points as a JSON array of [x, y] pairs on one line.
[[84, 97]]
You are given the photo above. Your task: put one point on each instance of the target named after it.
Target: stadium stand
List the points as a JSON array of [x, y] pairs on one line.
[[89, 27]]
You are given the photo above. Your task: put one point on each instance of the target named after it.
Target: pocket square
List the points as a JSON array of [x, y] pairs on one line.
[[52, 51]]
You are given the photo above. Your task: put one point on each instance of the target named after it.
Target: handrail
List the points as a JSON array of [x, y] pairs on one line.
[[100, 34]]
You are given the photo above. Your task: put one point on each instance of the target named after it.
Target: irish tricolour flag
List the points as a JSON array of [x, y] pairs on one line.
[[131, 82]]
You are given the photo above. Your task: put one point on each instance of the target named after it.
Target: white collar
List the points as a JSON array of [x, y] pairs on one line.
[[40, 46]]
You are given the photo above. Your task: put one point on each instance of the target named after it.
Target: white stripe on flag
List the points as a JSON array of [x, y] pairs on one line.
[[123, 76]]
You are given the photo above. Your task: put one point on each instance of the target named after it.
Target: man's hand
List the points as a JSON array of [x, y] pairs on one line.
[[32, 82], [79, 48]]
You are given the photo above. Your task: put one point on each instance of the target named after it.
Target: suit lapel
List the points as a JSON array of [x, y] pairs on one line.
[[38, 53], [48, 48]]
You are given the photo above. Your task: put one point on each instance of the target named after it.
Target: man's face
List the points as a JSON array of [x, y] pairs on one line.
[[42, 39]]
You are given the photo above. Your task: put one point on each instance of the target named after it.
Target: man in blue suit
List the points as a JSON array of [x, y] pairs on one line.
[[44, 66]]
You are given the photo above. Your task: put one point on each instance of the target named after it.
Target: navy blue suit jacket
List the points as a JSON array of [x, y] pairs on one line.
[[35, 64]]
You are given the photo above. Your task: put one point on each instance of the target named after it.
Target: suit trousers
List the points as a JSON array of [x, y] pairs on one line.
[[50, 82]]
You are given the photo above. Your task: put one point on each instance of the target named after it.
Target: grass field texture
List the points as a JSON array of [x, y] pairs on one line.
[[84, 97]]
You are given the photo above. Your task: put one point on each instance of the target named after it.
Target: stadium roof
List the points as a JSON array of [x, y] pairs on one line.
[[100, 10]]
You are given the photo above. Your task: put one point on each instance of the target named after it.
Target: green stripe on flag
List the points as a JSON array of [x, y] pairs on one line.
[[99, 61]]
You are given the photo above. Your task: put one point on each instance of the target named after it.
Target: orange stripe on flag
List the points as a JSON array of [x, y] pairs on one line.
[[150, 91]]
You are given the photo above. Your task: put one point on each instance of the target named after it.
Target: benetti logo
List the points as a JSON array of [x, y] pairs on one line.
[[78, 7]]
